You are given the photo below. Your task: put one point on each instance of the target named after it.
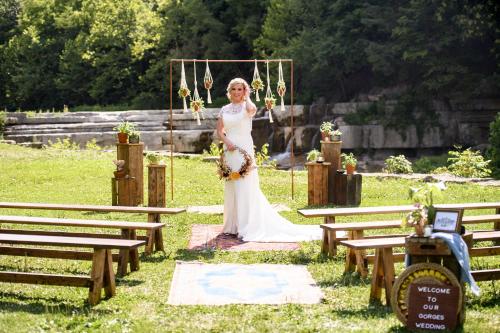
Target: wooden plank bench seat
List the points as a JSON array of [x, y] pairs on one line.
[[383, 269], [101, 276], [355, 230], [128, 231], [154, 214], [330, 215]]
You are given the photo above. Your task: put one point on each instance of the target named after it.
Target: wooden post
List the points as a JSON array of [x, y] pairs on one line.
[[156, 198], [131, 153], [317, 184], [127, 194], [347, 189], [331, 154]]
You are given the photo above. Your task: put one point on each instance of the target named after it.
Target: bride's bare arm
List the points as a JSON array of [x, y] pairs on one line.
[[221, 134]]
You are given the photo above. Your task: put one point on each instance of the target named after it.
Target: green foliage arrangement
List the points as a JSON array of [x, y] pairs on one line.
[[92, 145], [313, 155], [428, 164], [326, 127], [215, 150], [348, 159], [124, 127], [262, 157], [468, 163], [153, 157], [494, 150], [398, 164]]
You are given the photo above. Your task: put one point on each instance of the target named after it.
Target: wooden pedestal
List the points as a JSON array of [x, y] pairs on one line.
[[331, 154], [347, 189], [156, 198], [124, 191], [317, 183], [131, 153]]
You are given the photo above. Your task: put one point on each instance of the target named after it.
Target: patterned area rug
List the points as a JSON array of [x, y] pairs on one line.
[[218, 284], [206, 237]]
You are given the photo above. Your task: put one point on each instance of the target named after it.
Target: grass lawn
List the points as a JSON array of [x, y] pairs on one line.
[[140, 305]]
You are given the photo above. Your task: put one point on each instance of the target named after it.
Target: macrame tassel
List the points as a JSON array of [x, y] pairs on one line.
[[198, 119], [257, 96], [209, 98], [271, 116], [282, 104], [185, 105]]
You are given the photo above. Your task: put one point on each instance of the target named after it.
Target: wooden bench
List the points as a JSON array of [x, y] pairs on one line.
[[355, 230], [101, 275], [128, 231], [330, 239], [154, 214], [383, 270]]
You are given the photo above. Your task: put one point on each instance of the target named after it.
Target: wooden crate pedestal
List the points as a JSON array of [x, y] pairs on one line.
[[331, 154], [317, 183], [347, 189], [132, 153], [156, 198]]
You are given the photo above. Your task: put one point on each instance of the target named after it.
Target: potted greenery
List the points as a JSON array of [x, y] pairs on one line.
[[349, 161], [124, 129], [153, 158], [325, 129], [336, 135], [134, 137], [314, 155]]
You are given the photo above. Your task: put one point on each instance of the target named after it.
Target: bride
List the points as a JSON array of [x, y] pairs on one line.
[[247, 212]]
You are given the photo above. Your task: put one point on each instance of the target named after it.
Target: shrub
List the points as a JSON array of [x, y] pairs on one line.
[[494, 150], [64, 144], [2, 123], [92, 145], [214, 150], [398, 164], [428, 164], [262, 157], [313, 155], [468, 163]]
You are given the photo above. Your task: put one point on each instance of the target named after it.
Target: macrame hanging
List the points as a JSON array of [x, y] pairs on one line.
[[184, 90], [269, 100], [196, 104], [281, 89], [208, 82], [257, 83]]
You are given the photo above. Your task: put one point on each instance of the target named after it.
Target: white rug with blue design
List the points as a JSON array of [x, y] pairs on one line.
[[218, 284]]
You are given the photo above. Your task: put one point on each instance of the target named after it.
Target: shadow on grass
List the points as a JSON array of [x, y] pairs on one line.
[[128, 282], [156, 257], [187, 255], [40, 305], [345, 280]]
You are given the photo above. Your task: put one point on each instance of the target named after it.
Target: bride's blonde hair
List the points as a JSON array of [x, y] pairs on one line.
[[234, 82]]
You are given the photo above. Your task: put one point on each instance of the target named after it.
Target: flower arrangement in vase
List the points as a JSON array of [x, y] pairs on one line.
[[424, 211], [124, 129]]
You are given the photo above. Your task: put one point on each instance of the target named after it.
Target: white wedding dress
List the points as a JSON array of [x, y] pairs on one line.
[[247, 212]]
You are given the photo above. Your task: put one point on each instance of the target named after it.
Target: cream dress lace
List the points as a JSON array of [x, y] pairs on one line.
[[247, 212]]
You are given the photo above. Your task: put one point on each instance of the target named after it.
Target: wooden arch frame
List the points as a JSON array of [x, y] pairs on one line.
[[292, 156]]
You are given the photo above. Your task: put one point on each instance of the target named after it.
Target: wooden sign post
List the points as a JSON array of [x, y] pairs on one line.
[[432, 307]]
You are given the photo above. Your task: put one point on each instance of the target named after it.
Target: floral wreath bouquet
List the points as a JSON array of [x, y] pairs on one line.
[[257, 84], [226, 172], [184, 91]]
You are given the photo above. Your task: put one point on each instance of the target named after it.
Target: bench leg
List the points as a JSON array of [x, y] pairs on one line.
[[496, 226], [388, 263], [159, 240], [325, 244], [331, 239], [124, 256], [134, 254], [97, 276], [150, 242], [109, 275], [360, 255], [377, 277]]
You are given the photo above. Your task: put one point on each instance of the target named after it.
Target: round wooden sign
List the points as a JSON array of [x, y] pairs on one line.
[[426, 273]]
